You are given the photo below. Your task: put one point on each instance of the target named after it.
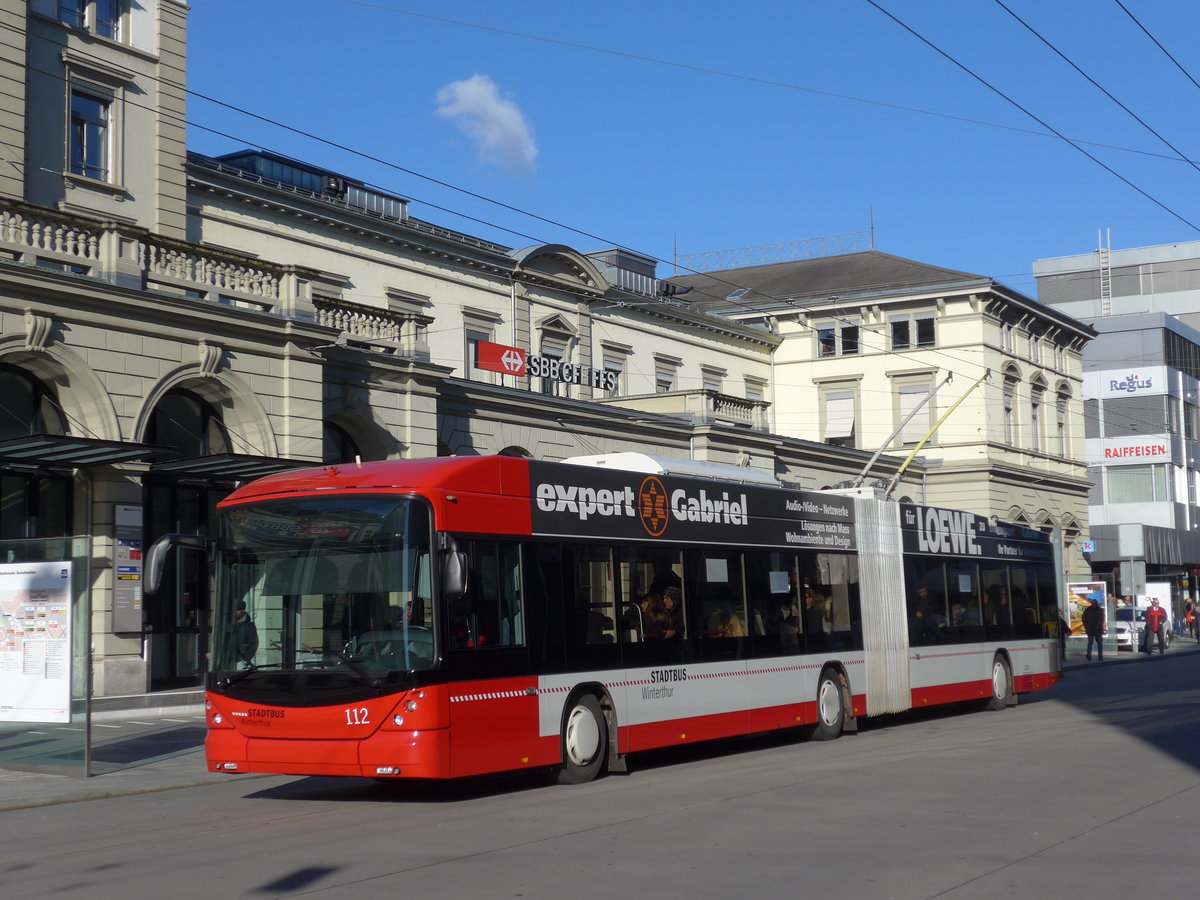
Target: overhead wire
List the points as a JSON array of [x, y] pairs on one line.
[[1179, 153], [737, 76], [388, 164], [991, 87], [1157, 43], [816, 306], [789, 303]]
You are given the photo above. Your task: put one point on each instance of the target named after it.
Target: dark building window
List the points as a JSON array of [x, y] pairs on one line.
[[337, 446], [1124, 416], [89, 135], [26, 406], [189, 424]]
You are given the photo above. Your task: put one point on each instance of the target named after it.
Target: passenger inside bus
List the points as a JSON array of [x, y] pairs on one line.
[[654, 616], [672, 601], [816, 617], [927, 616], [722, 619]]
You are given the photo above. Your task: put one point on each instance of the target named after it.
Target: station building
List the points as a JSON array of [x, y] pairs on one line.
[[877, 351], [172, 325]]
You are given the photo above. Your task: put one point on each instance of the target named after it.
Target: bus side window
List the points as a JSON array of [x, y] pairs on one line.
[[591, 607], [595, 599]]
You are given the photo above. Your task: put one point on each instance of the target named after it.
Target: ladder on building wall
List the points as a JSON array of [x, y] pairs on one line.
[[1105, 262]]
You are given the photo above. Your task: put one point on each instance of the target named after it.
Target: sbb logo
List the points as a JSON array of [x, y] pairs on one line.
[[513, 360], [499, 358]]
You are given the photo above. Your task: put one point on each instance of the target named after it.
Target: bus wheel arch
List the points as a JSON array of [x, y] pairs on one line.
[[586, 735], [835, 705]]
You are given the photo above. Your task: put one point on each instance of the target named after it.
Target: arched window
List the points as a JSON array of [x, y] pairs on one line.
[[1010, 408], [32, 505], [1061, 404], [337, 446], [188, 423], [27, 406], [1037, 398]]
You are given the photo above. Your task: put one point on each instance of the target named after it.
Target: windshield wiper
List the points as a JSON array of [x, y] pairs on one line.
[[353, 665], [238, 676], [358, 669]]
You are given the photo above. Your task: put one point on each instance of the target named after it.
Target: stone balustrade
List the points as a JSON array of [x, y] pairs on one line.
[[41, 234]]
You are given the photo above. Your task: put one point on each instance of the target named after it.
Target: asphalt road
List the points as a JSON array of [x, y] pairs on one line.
[[1060, 796]]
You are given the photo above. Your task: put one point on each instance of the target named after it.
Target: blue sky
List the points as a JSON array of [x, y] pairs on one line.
[[682, 128]]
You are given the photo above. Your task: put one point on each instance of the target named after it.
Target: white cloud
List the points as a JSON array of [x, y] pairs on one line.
[[494, 122]]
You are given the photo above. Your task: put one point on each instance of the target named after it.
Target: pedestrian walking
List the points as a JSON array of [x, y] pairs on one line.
[[1093, 627]]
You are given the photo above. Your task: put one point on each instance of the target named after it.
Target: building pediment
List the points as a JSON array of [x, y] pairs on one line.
[[557, 265], [556, 323]]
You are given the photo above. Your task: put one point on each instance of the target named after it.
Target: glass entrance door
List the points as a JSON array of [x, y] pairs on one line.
[[178, 617]]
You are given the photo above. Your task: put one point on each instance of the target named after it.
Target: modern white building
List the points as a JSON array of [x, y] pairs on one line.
[[1142, 404]]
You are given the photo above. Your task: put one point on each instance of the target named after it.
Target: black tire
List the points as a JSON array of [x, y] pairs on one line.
[[584, 741], [1002, 689], [831, 708]]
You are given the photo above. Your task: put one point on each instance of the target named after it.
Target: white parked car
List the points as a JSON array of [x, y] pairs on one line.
[[1130, 626]]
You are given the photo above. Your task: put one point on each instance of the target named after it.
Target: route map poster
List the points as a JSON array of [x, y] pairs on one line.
[[35, 645]]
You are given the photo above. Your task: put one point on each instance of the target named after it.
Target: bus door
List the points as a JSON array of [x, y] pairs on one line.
[[494, 704]]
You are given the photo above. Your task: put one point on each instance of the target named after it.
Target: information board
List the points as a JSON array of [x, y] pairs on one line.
[[127, 569], [35, 649]]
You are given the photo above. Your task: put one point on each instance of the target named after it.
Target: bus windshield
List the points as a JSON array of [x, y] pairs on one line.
[[328, 583]]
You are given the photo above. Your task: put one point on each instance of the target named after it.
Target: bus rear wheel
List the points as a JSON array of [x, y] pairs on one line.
[[584, 741], [831, 708], [1001, 684]]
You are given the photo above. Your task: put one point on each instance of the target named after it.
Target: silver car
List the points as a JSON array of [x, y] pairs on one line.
[[1130, 628]]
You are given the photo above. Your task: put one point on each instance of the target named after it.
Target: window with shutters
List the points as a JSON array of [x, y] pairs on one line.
[[838, 414], [913, 401]]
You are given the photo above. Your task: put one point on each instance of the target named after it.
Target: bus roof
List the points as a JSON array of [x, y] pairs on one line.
[[661, 465], [479, 474]]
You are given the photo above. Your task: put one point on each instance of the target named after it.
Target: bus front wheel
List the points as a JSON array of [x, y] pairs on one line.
[[831, 708], [584, 741]]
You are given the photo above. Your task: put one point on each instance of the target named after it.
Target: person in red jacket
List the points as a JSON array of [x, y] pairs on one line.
[[1156, 624]]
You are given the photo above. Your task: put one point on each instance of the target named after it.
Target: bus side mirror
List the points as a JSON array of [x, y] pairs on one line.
[[454, 574], [156, 556]]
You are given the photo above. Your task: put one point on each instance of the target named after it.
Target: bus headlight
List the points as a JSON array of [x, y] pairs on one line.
[[398, 721]]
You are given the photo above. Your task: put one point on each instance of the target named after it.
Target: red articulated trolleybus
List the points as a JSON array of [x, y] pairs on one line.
[[449, 617]]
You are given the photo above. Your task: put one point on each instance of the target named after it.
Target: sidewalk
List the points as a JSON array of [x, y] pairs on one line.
[[166, 730], [180, 767]]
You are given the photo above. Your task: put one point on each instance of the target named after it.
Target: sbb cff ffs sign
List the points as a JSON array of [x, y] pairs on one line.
[[514, 361]]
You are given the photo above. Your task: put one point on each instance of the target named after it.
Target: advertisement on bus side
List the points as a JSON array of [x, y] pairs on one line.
[[934, 531], [593, 502]]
